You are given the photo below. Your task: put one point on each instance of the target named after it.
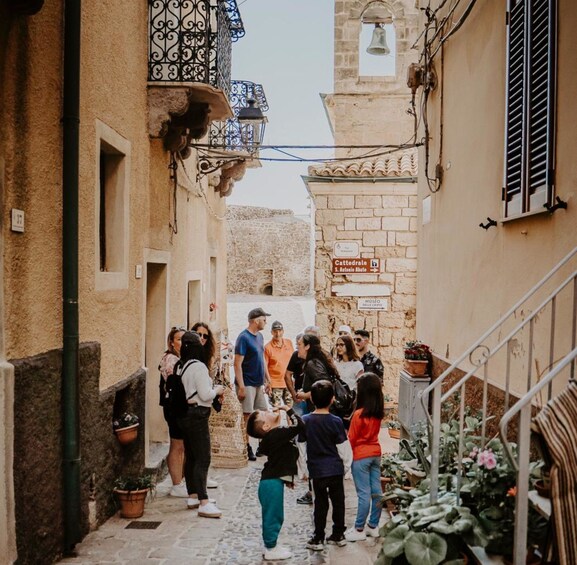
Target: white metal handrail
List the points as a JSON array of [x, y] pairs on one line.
[[435, 386], [523, 407]]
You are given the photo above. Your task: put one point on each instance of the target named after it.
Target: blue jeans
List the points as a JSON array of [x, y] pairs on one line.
[[367, 477], [271, 498]]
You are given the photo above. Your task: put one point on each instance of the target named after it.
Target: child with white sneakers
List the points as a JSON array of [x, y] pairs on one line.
[[366, 467], [277, 443]]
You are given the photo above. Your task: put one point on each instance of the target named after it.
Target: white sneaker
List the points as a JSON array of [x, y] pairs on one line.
[[193, 503], [354, 535], [179, 490], [277, 553], [211, 483], [372, 532], [209, 510]]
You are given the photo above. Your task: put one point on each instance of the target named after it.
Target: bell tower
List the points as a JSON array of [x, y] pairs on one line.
[[373, 49]]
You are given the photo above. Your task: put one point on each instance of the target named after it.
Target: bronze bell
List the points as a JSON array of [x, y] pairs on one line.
[[378, 44]]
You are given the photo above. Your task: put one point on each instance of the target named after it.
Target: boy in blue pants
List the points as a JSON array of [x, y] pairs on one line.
[[277, 443]]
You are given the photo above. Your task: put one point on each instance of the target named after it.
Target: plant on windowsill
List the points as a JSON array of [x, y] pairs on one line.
[[417, 356], [131, 493], [126, 427]]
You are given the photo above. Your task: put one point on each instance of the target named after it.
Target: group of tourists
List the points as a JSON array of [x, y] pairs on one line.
[[292, 402], [288, 400]]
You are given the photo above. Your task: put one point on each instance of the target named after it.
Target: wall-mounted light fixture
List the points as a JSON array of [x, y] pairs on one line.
[[252, 123]]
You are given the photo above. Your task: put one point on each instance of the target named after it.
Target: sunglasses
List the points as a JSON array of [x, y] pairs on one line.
[[177, 329], [343, 333], [340, 344], [202, 336], [359, 339]]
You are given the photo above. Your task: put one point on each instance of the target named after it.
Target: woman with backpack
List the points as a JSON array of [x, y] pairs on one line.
[[175, 457], [199, 393]]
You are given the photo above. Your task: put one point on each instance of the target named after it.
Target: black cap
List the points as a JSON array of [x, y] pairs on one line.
[[257, 313], [190, 337], [276, 325], [364, 333]]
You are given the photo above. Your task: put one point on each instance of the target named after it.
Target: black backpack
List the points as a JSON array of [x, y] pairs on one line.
[[175, 401], [344, 401]]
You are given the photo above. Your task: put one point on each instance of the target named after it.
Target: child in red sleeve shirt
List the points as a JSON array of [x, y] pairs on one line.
[[366, 468]]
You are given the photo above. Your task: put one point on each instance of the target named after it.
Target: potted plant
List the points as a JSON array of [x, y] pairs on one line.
[[429, 534], [126, 427], [394, 429], [389, 403], [417, 357], [131, 493]]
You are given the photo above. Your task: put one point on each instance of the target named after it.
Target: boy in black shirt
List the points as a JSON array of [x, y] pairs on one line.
[[277, 443]]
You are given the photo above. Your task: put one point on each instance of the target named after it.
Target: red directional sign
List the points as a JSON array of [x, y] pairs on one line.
[[356, 266]]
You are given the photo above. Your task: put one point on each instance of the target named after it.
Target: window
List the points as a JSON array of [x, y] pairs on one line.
[[111, 207], [530, 113]]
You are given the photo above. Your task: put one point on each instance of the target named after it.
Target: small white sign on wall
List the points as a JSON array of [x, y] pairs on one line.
[[426, 209], [348, 249], [360, 289], [372, 304]]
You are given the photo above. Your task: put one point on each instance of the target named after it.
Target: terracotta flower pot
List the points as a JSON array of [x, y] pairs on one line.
[[389, 405], [542, 490], [131, 502], [127, 435], [416, 368], [395, 434]]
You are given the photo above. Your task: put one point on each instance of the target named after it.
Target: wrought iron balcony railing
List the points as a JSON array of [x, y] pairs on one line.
[[232, 135], [191, 41]]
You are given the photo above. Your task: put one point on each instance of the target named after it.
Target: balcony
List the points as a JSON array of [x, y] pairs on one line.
[[233, 144], [189, 67]]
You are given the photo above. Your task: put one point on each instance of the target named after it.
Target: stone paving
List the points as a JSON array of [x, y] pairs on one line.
[[235, 539]]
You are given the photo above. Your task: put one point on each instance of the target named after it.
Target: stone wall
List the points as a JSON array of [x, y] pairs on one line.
[[38, 448], [383, 221], [269, 252]]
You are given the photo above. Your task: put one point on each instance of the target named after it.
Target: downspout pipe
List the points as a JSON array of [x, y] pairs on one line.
[[70, 181]]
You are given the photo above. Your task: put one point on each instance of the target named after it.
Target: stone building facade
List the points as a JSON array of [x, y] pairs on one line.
[[381, 218], [368, 195], [269, 252]]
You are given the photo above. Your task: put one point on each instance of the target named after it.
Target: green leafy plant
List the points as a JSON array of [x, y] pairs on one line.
[[428, 534], [394, 425], [125, 420], [141, 482], [417, 351]]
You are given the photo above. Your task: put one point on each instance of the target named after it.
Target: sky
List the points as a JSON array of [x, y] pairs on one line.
[[288, 48]]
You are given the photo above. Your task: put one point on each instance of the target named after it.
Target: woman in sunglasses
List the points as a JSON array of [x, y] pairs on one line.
[[348, 361], [208, 344], [175, 457]]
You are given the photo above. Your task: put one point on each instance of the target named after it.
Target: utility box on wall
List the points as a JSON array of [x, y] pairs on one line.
[[411, 410]]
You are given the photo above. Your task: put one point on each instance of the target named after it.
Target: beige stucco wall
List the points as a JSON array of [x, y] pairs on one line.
[[469, 277]]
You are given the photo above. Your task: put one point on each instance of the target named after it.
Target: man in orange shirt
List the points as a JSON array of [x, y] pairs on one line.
[[277, 354]]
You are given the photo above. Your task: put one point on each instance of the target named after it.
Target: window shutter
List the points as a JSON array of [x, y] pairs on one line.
[[516, 109], [541, 97], [530, 118]]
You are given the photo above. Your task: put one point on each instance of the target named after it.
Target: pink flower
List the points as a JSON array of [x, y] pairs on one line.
[[487, 459], [474, 453]]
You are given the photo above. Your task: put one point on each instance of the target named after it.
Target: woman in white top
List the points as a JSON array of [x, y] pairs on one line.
[[348, 362], [200, 393]]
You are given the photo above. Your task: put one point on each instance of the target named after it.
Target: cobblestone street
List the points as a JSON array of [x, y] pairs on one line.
[[235, 539]]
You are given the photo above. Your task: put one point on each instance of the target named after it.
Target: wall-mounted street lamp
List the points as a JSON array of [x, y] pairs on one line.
[[252, 122]]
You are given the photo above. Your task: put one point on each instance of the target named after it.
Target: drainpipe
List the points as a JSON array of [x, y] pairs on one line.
[[70, 405]]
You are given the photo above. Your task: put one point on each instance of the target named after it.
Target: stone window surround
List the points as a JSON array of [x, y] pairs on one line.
[[117, 279]]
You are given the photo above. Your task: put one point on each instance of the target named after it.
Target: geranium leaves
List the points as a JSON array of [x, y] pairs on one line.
[[425, 549]]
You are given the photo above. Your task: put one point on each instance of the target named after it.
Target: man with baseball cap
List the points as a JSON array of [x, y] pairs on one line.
[[371, 363], [249, 368], [277, 354]]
